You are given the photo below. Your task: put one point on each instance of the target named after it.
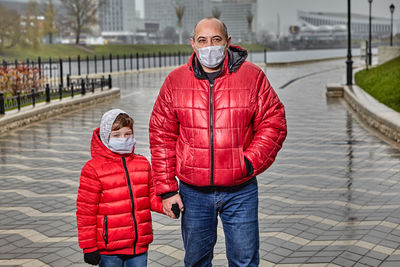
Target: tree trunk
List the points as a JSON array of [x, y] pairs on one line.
[[50, 38], [78, 36], [180, 35]]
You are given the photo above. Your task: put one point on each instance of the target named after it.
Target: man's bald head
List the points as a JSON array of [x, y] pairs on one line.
[[214, 22]]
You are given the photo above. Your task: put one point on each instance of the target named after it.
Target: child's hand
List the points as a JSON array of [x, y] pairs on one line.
[[92, 258]]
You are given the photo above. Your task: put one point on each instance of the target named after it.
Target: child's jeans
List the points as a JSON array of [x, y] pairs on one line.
[[115, 261]]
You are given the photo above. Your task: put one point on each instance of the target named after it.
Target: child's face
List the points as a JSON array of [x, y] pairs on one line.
[[124, 132]]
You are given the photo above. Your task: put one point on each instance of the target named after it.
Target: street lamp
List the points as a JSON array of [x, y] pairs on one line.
[[369, 38], [391, 24], [349, 62]]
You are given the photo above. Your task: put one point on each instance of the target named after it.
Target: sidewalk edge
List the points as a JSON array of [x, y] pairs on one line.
[[43, 111], [375, 114]]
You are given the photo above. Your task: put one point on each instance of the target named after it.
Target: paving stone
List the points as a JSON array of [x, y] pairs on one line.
[[61, 262], [370, 261]]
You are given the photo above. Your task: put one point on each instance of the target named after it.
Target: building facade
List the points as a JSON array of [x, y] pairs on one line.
[[235, 14], [324, 22], [117, 19], [163, 14], [232, 12]]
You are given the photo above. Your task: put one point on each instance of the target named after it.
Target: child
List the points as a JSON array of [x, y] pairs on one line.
[[115, 197]]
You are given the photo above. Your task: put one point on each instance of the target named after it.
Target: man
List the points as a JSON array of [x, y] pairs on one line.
[[216, 124]]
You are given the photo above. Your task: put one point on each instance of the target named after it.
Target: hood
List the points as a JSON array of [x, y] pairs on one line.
[[106, 124], [98, 149], [234, 59]]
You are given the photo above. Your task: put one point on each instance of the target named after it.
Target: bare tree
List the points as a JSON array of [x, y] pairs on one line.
[[32, 25], [216, 13], [10, 25], [81, 15], [179, 10], [49, 26]]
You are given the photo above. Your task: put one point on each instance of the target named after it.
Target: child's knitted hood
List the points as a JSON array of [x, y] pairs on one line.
[[106, 124]]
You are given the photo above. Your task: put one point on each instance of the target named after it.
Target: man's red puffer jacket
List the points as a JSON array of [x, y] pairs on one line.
[[201, 133], [114, 200]]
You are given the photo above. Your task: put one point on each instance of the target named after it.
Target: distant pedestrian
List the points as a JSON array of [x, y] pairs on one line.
[[115, 197], [216, 124]]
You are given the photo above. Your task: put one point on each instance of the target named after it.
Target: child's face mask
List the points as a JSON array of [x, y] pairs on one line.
[[122, 145], [122, 141]]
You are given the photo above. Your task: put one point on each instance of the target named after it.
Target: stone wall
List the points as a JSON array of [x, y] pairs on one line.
[[378, 116], [386, 53]]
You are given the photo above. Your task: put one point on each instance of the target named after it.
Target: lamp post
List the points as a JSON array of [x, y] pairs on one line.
[[369, 36], [391, 7], [349, 62]]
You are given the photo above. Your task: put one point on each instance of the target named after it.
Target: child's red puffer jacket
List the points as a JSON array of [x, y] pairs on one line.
[[114, 200]]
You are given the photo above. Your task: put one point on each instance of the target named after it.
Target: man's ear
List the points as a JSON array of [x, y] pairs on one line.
[[192, 43]]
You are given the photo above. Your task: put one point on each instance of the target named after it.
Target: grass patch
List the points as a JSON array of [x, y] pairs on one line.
[[64, 51], [44, 51], [382, 82]]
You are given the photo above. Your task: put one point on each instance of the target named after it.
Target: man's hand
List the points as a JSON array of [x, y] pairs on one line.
[[167, 205]]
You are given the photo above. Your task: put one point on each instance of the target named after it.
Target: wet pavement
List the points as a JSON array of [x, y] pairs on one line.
[[330, 199]]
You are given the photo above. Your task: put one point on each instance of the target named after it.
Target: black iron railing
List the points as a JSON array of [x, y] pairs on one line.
[[75, 87]]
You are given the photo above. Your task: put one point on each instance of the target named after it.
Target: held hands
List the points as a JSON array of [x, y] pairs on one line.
[[92, 258], [168, 206]]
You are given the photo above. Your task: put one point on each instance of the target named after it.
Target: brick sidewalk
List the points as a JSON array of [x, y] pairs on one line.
[[330, 199]]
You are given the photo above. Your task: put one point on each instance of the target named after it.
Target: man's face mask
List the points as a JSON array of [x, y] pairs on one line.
[[211, 56]]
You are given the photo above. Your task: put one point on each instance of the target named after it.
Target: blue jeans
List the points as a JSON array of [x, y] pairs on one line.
[[115, 261], [238, 210]]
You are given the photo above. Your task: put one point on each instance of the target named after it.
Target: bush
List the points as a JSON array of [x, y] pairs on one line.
[[21, 78]]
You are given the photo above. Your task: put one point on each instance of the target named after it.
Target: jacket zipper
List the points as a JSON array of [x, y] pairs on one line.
[[105, 230], [133, 205], [211, 134]]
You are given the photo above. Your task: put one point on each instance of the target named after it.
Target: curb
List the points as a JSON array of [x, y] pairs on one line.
[[375, 115], [299, 62], [15, 119]]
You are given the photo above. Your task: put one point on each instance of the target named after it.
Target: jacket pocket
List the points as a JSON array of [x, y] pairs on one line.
[[105, 230], [242, 163]]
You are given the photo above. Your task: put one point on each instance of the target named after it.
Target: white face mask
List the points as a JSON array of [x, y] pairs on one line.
[[211, 56], [122, 145]]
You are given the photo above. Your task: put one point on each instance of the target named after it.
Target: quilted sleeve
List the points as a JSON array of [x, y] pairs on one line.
[[164, 130], [269, 127], [155, 201], [86, 208]]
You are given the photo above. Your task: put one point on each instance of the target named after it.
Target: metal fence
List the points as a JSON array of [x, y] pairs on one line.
[[60, 77], [76, 86], [54, 71]]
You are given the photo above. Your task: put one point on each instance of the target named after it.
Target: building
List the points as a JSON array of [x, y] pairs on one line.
[[163, 14], [117, 19], [325, 24], [233, 13]]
